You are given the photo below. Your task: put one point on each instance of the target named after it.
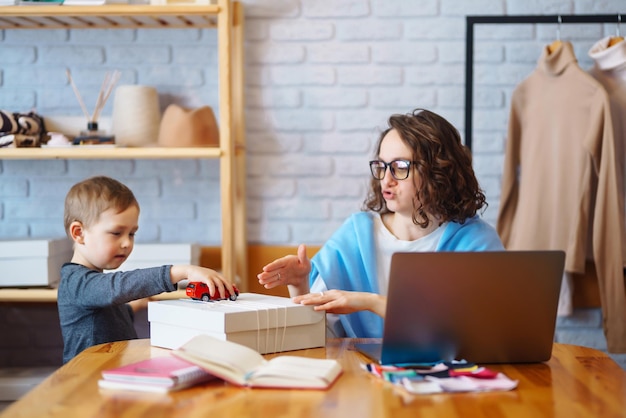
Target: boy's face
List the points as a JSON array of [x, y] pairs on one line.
[[106, 244]]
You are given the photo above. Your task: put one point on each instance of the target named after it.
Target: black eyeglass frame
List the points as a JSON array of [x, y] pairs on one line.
[[377, 164]]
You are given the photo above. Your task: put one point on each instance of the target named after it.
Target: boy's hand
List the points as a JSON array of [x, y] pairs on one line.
[[211, 278]]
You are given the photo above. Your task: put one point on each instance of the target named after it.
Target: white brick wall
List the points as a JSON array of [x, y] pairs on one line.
[[322, 76]]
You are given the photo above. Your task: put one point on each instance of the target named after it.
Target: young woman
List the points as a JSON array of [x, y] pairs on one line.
[[424, 196]]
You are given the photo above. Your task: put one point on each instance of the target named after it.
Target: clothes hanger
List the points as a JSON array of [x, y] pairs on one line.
[[614, 40], [556, 44]]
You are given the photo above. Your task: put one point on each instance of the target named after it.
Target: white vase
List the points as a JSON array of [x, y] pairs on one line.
[[136, 116]]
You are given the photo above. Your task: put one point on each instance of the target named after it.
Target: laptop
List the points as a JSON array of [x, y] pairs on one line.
[[483, 307]]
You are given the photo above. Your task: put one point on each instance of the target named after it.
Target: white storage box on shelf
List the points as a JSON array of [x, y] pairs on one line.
[[33, 262], [268, 324], [153, 255]]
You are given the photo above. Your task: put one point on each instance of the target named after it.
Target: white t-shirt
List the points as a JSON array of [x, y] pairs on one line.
[[387, 244]]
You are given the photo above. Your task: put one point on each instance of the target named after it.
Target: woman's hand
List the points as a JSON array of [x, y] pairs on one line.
[[290, 270], [344, 302]]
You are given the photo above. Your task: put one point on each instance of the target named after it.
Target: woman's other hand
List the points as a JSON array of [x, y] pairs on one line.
[[344, 302], [290, 270]]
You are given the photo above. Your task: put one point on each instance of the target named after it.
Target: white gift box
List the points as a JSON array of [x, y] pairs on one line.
[[267, 324], [33, 262], [154, 255]]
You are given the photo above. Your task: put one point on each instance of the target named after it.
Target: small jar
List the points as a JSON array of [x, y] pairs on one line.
[[92, 130]]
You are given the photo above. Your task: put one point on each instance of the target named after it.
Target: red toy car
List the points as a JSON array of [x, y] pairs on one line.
[[200, 291]]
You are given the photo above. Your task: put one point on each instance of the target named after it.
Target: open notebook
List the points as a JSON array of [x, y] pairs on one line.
[[483, 307]]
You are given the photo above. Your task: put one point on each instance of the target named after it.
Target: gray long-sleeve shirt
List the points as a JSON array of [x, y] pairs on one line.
[[93, 306]]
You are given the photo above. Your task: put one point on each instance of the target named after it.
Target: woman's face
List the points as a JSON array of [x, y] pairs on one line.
[[399, 194]]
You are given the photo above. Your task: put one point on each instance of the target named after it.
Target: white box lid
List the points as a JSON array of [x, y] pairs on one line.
[[34, 248], [160, 252], [251, 311]]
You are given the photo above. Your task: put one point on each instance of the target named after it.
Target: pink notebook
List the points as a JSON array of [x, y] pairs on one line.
[[158, 374]]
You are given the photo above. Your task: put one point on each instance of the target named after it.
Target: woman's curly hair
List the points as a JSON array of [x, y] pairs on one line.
[[447, 186]]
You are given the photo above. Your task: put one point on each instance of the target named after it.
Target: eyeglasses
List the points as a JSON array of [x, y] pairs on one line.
[[399, 169]]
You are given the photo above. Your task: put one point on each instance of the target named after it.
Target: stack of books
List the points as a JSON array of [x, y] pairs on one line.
[[158, 374], [84, 2], [92, 2], [204, 358], [38, 2]]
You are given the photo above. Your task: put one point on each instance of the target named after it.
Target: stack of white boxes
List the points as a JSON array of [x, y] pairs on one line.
[[33, 262], [267, 324], [154, 255]]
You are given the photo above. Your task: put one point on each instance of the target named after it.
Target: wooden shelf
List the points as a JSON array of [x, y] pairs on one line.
[[44, 295], [109, 17], [227, 18], [94, 152]]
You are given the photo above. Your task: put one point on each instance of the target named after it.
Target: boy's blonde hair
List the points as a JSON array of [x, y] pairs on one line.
[[88, 199]]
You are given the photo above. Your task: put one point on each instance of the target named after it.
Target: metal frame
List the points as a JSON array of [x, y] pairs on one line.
[[508, 20]]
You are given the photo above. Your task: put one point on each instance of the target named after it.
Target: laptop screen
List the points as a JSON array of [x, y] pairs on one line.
[[483, 307]]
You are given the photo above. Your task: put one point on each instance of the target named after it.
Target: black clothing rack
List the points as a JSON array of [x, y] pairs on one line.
[[506, 20]]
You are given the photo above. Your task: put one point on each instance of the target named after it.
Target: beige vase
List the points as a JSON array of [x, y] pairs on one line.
[[136, 116]]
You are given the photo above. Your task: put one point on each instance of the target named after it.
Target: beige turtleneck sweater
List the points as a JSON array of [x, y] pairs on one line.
[[610, 71], [560, 187]]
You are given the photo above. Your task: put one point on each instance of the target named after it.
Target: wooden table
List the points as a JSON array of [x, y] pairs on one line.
[[576, 382]]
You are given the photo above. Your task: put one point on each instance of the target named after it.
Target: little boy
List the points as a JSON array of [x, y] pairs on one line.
[[101, 217]]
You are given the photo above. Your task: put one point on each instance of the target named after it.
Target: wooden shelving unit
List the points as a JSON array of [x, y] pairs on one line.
[[42, 295], [87, 153], [114, 16], [227, 18]]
